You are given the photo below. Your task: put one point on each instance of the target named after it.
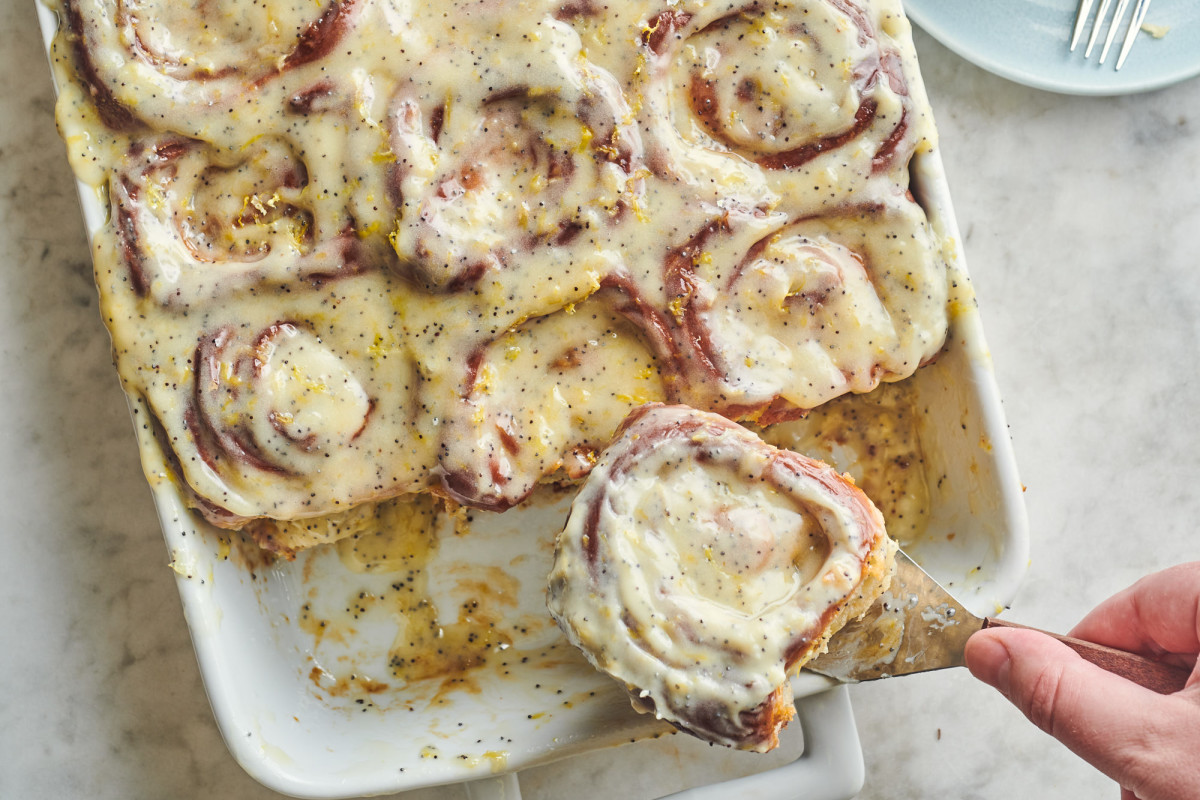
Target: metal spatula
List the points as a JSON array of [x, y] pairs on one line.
[[918, 626]]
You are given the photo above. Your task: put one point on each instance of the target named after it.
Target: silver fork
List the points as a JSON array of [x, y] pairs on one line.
[[1135, 24]]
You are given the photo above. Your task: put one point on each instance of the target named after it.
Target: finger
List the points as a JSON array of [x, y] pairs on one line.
[[1142, 740], [1159, 614]]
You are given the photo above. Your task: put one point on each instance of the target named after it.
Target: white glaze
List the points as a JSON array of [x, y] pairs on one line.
[[430, 191]]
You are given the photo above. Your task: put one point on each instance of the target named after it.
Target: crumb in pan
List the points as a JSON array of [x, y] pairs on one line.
[[876, 439]]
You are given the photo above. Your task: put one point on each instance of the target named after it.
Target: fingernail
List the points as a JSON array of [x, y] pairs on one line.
[[989, 661]]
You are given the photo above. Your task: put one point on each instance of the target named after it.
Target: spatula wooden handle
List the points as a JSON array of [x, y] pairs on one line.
[[1162, 678]]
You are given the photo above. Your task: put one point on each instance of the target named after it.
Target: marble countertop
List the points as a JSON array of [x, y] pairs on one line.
[[1078, 217]]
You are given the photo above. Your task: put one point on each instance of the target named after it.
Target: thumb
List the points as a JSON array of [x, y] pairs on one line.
[[1115, 725]]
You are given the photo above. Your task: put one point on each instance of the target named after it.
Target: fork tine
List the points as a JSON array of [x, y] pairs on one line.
[[1135, 25], [1118, 15], [1099, 23], [1085, 6]]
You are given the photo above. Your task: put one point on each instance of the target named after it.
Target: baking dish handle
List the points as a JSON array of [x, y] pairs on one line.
[[830, 768], [499, 787]]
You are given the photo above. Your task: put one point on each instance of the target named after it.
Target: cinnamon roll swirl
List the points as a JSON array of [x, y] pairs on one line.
[[812, 92], [194, 227], [148, 62], [543, 400], [830, 304], [700, 567], [549, 162], [278, 403]]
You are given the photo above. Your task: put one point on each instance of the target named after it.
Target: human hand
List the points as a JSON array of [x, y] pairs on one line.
[[1147, 742]]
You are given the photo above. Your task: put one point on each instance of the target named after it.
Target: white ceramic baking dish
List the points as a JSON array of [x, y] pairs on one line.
[[305, 713]]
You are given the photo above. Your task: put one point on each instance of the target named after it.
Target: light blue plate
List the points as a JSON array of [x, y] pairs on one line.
[[1027, 41]]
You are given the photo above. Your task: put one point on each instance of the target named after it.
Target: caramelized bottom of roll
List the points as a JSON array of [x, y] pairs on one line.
[[700, 567]]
